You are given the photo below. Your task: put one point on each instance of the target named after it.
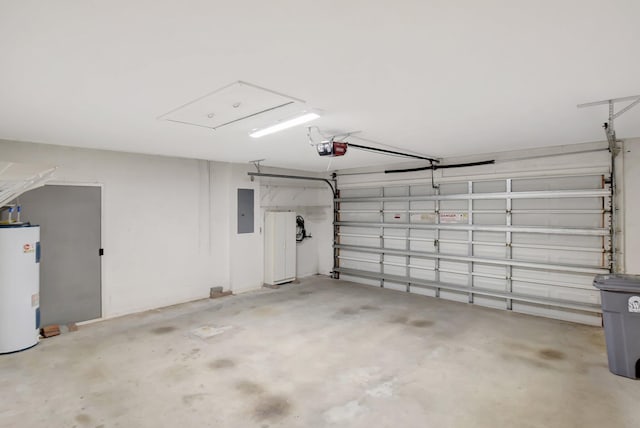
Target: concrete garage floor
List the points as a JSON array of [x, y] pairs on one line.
[[322, 353]]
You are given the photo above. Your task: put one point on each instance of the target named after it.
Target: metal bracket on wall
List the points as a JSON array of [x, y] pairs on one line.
[[256, 163], [608, 126]]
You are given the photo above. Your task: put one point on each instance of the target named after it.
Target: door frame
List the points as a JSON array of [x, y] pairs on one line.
[[102, 234]]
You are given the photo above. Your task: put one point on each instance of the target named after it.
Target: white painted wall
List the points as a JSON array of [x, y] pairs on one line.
[[312, 200], [169, 224], [220, 185]]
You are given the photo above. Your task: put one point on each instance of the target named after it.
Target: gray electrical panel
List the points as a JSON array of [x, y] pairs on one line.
[[245, 210]]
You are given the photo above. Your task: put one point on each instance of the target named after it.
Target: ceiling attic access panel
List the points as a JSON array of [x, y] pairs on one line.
[[230, 104]]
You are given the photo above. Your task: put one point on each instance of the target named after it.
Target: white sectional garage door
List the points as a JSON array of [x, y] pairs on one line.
[[527, 244]]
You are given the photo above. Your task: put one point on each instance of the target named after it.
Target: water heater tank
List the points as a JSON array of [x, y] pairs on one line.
[[19, 287]]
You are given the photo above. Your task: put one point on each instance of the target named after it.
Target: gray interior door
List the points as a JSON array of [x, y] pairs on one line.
[[69, 219]]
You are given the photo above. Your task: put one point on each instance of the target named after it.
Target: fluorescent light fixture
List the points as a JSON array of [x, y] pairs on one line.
[[290, 123]]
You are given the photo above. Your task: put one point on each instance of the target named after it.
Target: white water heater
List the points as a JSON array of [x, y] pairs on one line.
[[19, 287]]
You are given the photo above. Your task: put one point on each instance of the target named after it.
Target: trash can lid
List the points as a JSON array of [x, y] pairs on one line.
[[618, 282]]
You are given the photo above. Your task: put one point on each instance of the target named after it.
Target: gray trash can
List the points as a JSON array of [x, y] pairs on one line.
[[621, 316]]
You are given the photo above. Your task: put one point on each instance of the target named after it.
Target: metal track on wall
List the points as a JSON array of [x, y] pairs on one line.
[[373, 258]]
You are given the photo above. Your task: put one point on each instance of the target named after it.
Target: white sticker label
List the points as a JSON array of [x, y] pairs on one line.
[[452, 217], [424, 218], [634, 304], [35, 300]]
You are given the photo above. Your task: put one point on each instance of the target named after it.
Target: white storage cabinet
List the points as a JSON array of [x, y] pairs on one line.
[[279, 247]]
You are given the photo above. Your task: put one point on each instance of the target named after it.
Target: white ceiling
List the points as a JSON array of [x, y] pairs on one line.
[[443, 78]]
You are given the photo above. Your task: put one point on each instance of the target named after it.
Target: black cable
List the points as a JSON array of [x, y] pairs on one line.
[[301, 232], [434, 167], [375, 149]]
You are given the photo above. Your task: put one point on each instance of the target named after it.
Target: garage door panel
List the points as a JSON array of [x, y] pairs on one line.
[[358, 265], [569, 219], [557, 256], [490, 302], [557, 183], [554, 292], [560, 279], [491, 218], [398, 206], [428, 275], [417, 234], [490, 204], [557, 313], [360, 240], [453, 188], [360, 255], [423, 205], [489, 283], [422, 190], [359, 261], [530, 289], [396, 216], [556, 204], [481, 236], [453, 248], [454, 205], [495, 186], [371, 231], [593, 242], [451, 276], [422, 246], [456, 235], [419, 263], [396, 191], [490, 251], [495, 270], [453, 266], [576, 295], [535, 252], [395, 244], [360, 217], [423, 291], [455, 296], [395, 266], [361, 280], [422, 216], [397, 233], [349, 207], [394, 269], [360, 192], [395, 286]]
